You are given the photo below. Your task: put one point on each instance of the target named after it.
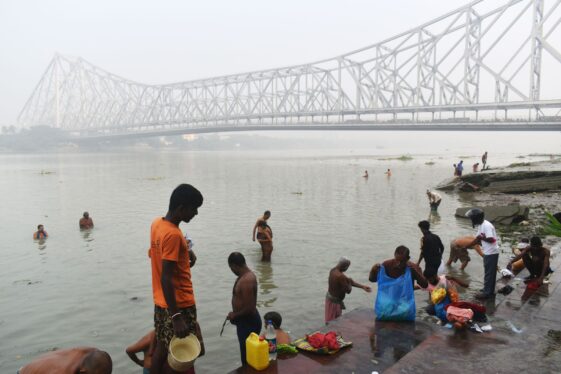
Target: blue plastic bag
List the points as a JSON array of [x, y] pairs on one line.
[[439, 310], [395, 300]]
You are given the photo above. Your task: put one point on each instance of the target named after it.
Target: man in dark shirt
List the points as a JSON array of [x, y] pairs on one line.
[[431, 248]]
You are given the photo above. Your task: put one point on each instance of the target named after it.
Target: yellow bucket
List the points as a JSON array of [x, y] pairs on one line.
[[183, 352]]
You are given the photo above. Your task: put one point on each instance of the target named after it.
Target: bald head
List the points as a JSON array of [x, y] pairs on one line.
[[343, 263], [97, 362]]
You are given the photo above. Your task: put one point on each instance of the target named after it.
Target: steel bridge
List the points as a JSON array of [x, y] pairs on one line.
[[489, 63]]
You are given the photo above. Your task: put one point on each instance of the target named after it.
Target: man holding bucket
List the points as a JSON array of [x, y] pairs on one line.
[[175, 313]]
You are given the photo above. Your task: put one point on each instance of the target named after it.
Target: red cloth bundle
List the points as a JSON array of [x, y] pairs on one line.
[[319, 340], [467, 305]]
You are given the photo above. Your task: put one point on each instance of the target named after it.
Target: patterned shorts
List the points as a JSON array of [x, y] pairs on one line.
[[164, 325]]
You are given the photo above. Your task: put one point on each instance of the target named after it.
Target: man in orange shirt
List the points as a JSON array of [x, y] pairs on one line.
[[175, 312]]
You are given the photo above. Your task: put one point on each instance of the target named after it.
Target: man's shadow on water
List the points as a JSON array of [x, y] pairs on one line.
[[264, 272]]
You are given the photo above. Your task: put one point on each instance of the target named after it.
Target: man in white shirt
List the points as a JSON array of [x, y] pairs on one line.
[[434, 200], [487, 237]]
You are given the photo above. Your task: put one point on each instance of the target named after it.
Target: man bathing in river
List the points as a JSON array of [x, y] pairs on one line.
[[41, 233], [339, 286], [536, 260], [265, 238], [175, 312], [458, 250], [71, 361], [434, 200], [397, 266], [264, 218], [244, 312], [86, 222]]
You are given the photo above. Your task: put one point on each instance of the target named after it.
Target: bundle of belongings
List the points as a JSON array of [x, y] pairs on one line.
[[445, 305], [441, 294], [317, 342], [463, 313]]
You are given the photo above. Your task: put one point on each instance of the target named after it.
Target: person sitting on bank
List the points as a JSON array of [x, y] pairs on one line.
[[86, 222], [146, 345], [40, 233], [434, 200], [536, 260], [436, 281], [71, 361], [276, 321], [475, 167], [458, 251], [339, 286]]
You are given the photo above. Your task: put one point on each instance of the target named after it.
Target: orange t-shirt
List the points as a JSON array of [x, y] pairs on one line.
[[167, 243]]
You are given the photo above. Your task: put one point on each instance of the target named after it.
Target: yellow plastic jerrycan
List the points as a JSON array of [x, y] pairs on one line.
[[257, 352]]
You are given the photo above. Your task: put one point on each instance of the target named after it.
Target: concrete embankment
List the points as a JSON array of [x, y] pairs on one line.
[[525, 177]]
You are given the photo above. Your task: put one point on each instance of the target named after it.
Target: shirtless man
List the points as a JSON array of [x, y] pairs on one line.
[[146, 345], [265, 238], [244, 312], [339, 286], [86, 222], [265, 217], [365, 174], [396, 266], [276, 321], [41, 233], [71, 361], [536, 260], [458, 250]]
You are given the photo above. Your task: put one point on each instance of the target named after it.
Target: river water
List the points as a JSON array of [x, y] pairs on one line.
[[94, 288]]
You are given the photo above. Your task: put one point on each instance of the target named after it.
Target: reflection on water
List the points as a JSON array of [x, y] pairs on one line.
[[390, 341], [41, 243], [434, 217], [86, 233], [264, 272]]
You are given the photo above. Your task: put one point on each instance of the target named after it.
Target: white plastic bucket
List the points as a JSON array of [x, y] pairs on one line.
[[183, 352]]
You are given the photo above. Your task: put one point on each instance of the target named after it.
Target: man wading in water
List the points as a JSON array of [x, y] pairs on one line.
[[264, 236], [339, 286], [175, 312], [244, 312]]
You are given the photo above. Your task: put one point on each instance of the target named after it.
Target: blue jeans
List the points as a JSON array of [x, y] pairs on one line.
[[145, 371], [490, 265]]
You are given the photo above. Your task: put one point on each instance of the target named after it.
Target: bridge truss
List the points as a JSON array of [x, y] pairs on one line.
[[489, 61]]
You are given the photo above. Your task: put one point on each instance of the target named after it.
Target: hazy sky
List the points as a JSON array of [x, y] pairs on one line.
[[169, 41]]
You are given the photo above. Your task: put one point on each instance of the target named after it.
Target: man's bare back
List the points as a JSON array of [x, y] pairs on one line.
[[67, 361], [339, 284], [244, 295]]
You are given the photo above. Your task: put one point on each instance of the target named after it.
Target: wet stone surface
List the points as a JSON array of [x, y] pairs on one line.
[[526, 335]]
